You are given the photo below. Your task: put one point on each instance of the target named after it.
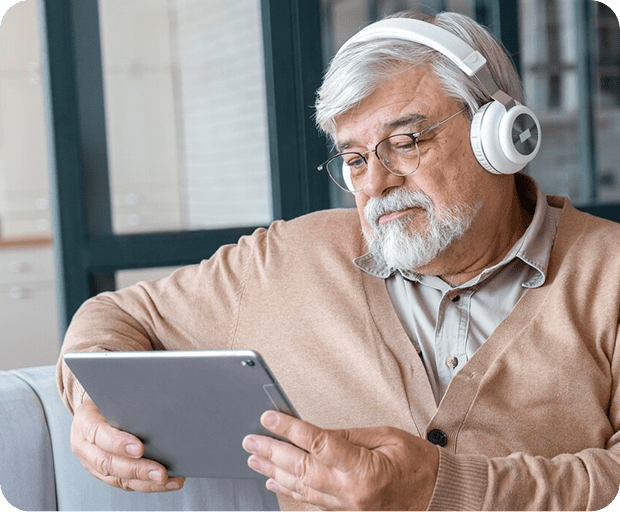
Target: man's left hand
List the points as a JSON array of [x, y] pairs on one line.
[[380, 468]]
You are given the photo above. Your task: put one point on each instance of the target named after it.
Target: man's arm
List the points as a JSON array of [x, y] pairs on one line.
[[349, 469], [388, 469], [194, 308]]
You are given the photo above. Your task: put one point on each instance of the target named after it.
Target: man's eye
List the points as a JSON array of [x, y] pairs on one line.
[[356, 164], [402, 145]]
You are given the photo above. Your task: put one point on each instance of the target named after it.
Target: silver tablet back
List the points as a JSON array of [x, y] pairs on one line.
[[191, 409]]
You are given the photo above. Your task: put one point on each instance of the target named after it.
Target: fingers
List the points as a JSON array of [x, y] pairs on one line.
[[291, 471], [307, 495], [114, 456], [284, 462], [327, 447], [313, 471], [94, 428]]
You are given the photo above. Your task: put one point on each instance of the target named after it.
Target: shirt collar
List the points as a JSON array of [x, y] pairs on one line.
[[533, 248]]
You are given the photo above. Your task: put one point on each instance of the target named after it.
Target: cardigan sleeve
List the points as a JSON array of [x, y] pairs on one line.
[[587, 480], [196, 307]]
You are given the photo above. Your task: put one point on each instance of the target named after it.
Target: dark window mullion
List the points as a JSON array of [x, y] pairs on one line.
[[293, 70], [586, 51], [66, 156]]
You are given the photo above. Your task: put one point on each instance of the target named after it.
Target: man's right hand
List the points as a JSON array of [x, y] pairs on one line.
[[115, 456]]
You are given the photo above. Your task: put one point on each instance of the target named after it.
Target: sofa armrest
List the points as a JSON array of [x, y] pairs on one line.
[[26, 464]]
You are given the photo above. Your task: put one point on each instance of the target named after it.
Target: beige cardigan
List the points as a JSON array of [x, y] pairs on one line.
[[532, 419]]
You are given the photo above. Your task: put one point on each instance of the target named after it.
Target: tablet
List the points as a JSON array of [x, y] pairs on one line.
[[191, 409]]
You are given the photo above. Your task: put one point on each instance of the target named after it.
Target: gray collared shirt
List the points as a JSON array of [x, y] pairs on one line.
[[448, 324]]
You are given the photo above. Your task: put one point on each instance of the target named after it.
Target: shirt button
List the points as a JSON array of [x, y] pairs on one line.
[[452, 362], [454, 296], [437, 437]]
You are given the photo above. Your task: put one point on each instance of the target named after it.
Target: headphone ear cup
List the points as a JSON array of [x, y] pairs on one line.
[[504, 142], [476, 139], [519, 134]]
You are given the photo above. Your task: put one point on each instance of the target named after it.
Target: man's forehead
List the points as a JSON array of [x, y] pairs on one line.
[[405, 100], [406, 121]]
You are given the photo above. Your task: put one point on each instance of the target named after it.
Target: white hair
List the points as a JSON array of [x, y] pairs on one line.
[[359, 70]]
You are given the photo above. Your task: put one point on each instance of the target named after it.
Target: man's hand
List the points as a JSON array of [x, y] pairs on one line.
[[380, 468], [115, 456]]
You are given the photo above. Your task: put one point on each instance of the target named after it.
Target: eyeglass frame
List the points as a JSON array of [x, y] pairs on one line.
[[414, 138]]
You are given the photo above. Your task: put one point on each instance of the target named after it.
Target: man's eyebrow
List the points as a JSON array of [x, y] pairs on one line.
[[406, 121]]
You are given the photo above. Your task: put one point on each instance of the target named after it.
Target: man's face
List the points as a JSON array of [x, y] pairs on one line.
[[412, 219]]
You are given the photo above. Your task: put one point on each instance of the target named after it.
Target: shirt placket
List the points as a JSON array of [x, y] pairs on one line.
[[451, 334]]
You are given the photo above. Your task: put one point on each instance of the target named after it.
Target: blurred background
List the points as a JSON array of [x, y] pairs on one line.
[[140, 135]]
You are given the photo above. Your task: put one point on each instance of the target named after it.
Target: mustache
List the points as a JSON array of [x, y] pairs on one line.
[[397, 200]]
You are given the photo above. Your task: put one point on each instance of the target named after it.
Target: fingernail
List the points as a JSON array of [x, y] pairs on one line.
[[250, 444], [254, 463], [271, 485], [269, 419], [133, 449], [172, 485], [155, 476]]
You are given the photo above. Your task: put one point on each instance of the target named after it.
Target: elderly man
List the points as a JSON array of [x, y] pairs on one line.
[[450, 345]]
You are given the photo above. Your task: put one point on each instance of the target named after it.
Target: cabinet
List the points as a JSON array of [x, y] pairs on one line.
[[29, 331]]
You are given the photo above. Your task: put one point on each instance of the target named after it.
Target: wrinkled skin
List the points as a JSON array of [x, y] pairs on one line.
[[380, 468]]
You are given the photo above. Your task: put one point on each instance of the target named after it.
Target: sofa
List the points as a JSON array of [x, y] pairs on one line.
[[38, 471]]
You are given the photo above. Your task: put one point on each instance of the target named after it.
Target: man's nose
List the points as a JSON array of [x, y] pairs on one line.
[[378, 179]]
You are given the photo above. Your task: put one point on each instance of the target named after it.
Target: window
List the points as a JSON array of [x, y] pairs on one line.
[[24, 183], [176, 126], [571, 81], [185, 114]]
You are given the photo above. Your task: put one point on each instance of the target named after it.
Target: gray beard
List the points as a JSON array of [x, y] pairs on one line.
[[404, 250]]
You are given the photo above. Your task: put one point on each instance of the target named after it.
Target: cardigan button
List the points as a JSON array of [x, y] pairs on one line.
[[437, 437]]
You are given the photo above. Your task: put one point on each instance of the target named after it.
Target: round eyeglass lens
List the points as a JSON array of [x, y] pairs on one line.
[[399, 154], [348, 171]]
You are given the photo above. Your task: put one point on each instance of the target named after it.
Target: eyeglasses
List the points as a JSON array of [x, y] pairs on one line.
[[398, 153]]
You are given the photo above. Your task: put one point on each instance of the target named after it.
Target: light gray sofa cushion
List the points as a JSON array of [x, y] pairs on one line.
[[76, 489]]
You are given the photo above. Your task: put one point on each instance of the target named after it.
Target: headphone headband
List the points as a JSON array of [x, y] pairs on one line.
[[418, 31], [470, 61]]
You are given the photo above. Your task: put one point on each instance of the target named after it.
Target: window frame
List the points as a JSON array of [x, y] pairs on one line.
[[87, 251]]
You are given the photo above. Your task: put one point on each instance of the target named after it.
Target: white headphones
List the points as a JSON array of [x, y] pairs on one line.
[[505, 135]]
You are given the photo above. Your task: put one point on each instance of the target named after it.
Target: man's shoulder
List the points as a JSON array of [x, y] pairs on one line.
[[322, 217], [585, 231], [578, 218], [328, 236], [320, 225]]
